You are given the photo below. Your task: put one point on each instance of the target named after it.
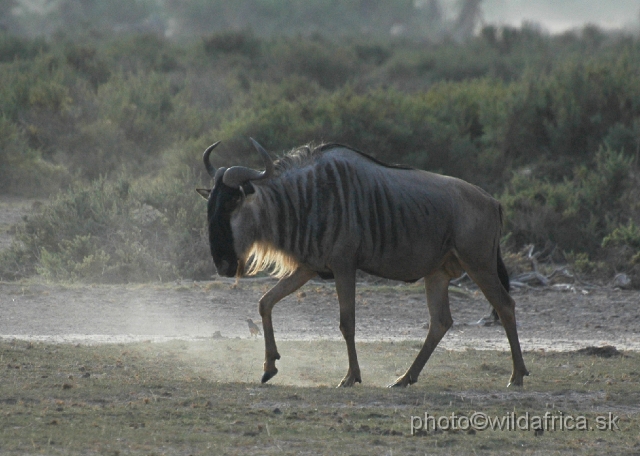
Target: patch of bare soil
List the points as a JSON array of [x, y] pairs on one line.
[[547, 319]]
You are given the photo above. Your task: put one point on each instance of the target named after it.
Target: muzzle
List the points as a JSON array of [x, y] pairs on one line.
[[226, 269]]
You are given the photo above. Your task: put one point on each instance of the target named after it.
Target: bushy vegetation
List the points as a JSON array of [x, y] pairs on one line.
[[114, 231], [111, 128]]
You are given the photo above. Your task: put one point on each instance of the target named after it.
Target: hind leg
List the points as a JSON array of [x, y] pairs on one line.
[[437, 288], [504, 305], [346, 288]]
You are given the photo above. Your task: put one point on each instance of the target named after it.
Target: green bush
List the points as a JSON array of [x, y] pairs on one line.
[[22, 170], [33, 85], [143, 53], [621, 249], [575, 214], [243, 43], [13, 47], [582, 264], [624, 235], [319, 60], [115, 231], [567, 115], [89, 64]]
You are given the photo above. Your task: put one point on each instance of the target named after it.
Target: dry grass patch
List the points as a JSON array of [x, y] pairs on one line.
[[205, 397]]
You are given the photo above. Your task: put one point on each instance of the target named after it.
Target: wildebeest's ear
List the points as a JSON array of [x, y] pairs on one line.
[[204, 192]]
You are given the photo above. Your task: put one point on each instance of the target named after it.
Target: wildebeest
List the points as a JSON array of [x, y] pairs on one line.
[[331, 210]]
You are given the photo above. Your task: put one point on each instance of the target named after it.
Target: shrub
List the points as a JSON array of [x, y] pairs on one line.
[[115, 232], [582, 264], [567, 115], [621, 249], [38, 84], [319, 60], [22, 170], [243, 43], [143, 53], [373, 53], [13, 47], [624, 235], [86, 61], [575, 214]]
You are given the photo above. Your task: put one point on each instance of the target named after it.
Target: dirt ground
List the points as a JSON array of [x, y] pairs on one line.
[[548, 319]]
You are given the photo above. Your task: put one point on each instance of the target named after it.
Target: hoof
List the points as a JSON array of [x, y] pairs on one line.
[[348, 381], [488, 321], [517, 380], [402, 382], [268, 376]]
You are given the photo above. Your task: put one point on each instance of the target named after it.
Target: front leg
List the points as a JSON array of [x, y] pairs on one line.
[[346, 288], [283, 288]]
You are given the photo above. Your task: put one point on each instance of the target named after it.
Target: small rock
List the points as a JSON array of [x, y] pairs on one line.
[[621, 280]]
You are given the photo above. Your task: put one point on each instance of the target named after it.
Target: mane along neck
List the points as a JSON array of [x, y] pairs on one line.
[[307, 154]]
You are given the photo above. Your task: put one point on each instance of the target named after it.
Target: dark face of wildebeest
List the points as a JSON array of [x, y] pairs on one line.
[[230, 187], [222, 201]]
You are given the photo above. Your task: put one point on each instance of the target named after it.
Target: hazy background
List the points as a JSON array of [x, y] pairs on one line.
[[561, 15], [182, 18]]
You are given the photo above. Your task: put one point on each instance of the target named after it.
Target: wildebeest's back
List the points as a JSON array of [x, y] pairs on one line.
[[394, 222]]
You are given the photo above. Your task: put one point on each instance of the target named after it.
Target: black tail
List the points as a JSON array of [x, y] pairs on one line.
[[504, 279], [502, 273]]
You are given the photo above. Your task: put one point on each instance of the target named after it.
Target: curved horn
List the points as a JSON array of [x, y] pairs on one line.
[[238, 175], [205, 157], [268, 163]]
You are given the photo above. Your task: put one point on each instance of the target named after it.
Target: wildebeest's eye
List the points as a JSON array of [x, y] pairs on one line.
[[232, 203]]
